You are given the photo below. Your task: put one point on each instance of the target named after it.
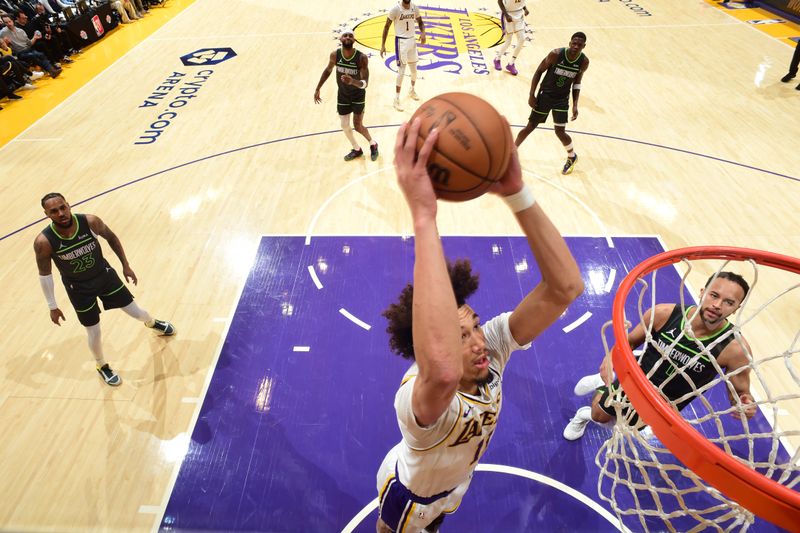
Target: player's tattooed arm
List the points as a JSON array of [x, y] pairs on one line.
[[99, 228]]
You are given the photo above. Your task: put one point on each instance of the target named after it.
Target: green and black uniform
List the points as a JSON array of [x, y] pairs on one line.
[[555, 89], [351, 99], [85, 272], [701, 371]]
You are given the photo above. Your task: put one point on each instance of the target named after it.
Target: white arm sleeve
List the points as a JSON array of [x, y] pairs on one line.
[[48, 288]]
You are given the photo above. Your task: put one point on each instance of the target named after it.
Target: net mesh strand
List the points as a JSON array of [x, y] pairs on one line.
[[644, 482]]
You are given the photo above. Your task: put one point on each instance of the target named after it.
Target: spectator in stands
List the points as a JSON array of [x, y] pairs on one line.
[[46, 43], [122, 6], [54, 41], [44, 21], [7, 91], [22, 47], [14, 71]]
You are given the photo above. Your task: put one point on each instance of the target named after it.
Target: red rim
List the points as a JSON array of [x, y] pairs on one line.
[[762, 496]]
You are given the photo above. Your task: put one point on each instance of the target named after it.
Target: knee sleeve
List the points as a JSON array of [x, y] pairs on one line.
[[95, 343], [401, 70], [348, 130]]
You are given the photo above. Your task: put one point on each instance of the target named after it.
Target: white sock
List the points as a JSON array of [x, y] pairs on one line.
[[570, 150], [96, 344]]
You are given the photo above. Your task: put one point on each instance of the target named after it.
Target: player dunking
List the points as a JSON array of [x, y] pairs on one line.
[[352, 77], [70, 241], [564, 68], [403, 15], [449, 400], [513, 20]]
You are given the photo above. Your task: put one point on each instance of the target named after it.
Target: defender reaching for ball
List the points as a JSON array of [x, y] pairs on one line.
[[564, 68], [352, 78], [449, 400]]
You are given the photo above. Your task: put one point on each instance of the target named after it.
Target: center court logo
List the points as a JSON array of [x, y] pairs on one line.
[[456, 39]]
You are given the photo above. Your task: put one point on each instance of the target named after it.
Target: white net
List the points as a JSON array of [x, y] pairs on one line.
[[644, 483]]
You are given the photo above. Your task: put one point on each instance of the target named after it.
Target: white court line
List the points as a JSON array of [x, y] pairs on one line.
[[514, 471], [610, 281], [584, 317], [316, 216], [190, 399], [149, 509], [301, 349], [354, 319], [41, 140], [196, 415], [313, 274]]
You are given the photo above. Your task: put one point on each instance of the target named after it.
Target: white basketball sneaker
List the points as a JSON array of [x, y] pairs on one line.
[[396, 104], [588, 384], [577, 426], [413, 95]]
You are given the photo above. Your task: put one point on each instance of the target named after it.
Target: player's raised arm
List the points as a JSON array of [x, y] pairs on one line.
[[435, 324], [561, 280]]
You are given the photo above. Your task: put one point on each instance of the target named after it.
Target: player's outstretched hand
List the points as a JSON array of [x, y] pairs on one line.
[[411, 169], [56, 316]]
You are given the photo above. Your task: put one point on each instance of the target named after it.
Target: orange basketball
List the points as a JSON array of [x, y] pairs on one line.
[[474, 145]]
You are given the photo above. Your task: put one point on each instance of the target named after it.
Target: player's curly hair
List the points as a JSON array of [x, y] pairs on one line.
[[401, 341]]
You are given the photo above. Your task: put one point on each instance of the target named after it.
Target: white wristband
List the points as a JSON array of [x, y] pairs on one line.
[[521, 200], [48, 289], [363, 84], [576, 87]]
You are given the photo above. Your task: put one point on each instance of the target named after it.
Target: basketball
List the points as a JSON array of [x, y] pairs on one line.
[[473, 148]]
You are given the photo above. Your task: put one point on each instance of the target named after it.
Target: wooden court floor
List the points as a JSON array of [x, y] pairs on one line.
[[684, 132]]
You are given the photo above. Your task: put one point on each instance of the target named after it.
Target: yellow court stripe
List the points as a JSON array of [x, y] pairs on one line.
[[781, 31], [18, 116]]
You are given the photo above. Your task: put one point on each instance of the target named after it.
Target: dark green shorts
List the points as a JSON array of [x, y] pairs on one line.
[[84, 294]]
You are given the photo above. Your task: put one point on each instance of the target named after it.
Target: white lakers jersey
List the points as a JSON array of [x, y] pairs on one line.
[[439, 457], [405, 20], [514, 5]]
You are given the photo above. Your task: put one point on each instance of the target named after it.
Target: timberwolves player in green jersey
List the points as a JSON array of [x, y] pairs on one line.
[[563, 70], [70, 241], [352, 76], [719, 299]]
